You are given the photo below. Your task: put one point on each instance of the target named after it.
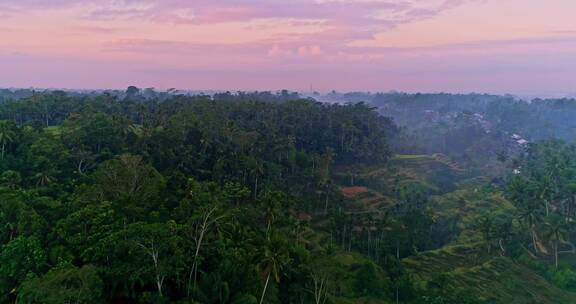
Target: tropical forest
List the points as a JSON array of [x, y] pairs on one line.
[[145, 196]]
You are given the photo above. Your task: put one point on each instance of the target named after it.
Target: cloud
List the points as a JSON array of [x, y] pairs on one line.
[[277, 51], [186, 50], [309, 50], [302, 51], [340, 13], [303, 28], [94, 29]]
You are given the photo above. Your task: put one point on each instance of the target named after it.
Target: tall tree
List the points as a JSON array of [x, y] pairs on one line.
[[273, 260], [556, 231], [7, 136]]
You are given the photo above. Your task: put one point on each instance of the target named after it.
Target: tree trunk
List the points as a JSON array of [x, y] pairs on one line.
[[319, 289], [80, 166], [199, 238], [534, 240], [159, 283], [556, 253], [398, 250], [265, 287], [344, 238], [256, 187], [350, 239], [153, 252]]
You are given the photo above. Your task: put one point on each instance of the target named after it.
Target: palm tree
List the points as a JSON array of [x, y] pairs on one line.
[[531, 216], [256, 170], [136, 130], [271, 204], [7, 136], [45, 177], [547, 194], [326, 161], [274, 259], [485, 225], [571, 202], [556, 230]]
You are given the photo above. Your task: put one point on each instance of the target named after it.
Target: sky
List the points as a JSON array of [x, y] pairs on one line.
[[493, 46]]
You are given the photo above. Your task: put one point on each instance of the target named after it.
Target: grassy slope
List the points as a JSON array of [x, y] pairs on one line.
[[342, 268], [432, 171], [436, 172], [497, 279]]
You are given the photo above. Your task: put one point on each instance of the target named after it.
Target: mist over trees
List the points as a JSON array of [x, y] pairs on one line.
[[141, 196]]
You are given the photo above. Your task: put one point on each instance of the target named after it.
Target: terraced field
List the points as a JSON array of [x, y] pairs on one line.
[[366, 200], [497, 278], [462, 263]]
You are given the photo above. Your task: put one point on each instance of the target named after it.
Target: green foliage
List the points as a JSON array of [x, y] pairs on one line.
[[133, 186], [565, 278], [497, 279], [64, 283], [20, 257], [146, 197], [369, 282], [543, 192]]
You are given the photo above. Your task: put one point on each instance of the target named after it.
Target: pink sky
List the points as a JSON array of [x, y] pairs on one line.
[[500, 46]]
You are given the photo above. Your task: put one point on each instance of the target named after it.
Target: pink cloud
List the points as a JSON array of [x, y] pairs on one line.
[[265, 44], [94, 29], [310, 50], [277, 51]]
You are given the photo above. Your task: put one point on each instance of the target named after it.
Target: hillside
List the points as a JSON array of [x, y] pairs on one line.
[[495, 280], [461, 264], [269, 198]]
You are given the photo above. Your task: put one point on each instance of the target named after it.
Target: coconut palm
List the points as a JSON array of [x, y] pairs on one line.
[[256, 168], [274, 258], [271, 204], [556, 230], [7, 136], [530, 215]]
